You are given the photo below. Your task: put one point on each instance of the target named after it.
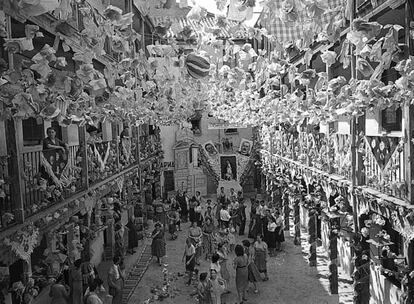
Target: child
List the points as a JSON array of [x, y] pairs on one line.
[[232, 238], [204, 289], [218, 287], [172, 223], [189, 257]]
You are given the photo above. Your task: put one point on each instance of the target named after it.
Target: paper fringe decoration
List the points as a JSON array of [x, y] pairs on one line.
[[58, 181], [25, 247], [101, 161], [126, 148]]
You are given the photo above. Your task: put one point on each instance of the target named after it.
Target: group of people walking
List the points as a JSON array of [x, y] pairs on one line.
[[212, 236]]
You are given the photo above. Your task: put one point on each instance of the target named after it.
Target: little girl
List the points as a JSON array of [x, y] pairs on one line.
[[189, 256], [204, 289], [232, 238], [172, 223]]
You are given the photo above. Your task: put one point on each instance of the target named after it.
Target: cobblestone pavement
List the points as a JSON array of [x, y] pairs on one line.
[[291, 279]]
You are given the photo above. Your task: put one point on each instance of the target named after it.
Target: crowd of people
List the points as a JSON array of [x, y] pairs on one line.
[[212, 235]]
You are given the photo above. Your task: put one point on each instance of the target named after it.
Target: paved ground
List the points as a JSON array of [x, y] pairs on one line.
[[291, 281]]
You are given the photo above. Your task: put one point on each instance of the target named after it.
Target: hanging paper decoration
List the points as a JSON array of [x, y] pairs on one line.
[[382, 148], [55, 164], [23, 242], [197, 66], [126, 148], [240, 10], [328, 57], [120, 183], [101, 154], [39, 7], [364, 67]]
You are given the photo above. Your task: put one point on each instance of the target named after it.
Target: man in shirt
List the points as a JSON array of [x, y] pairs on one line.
[[224, 217]]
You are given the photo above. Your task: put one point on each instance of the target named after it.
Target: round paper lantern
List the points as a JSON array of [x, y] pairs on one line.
[[197, 66]]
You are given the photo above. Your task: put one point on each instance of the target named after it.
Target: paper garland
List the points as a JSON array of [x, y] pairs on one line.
[[23, 243], [59, 181], [98, 156]]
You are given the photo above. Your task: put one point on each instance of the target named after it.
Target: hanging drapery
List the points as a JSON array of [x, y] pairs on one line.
[[292, 20]]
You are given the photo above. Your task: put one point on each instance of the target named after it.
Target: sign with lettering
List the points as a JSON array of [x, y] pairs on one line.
[[224, 125], [167, 165]]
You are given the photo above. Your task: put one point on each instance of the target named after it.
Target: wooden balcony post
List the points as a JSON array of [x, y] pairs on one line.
[[15, 169], [408, 118], [83, 151]]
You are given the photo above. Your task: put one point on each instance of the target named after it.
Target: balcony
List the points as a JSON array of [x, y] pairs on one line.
[[79, 170], [380, 161]]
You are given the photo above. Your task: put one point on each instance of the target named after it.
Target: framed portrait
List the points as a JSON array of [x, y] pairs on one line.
[[245, 147], [228, 165], [210, 149], [227, 145]]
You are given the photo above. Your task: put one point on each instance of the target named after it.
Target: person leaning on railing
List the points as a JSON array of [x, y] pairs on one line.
[[51, 142]]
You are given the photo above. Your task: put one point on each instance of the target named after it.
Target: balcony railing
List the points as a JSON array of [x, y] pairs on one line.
[[39, 189], [7, 217], [380, 160], [385, 167]]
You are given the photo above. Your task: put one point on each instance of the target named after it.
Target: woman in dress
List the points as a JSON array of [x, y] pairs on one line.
[[217, 286], [280, 235], [195, 234], [76, 283], [208, 229], [191, 212], [59, 292], [271, 235], [215, 265], [158, 243], [182, 201], [254, 274], [255, 224], [209, 213], [240, 264], [204, 289], [116, 280], [260, 256], [222, 253], [189, 258]]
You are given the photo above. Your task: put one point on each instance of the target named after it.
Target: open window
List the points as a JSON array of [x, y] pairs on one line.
[[196, 124], [391, 119], [33, 131]]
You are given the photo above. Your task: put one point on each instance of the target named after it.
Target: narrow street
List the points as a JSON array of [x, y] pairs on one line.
[[291, 280]]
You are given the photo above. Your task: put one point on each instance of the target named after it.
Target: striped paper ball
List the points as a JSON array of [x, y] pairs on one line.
[[197, 66]]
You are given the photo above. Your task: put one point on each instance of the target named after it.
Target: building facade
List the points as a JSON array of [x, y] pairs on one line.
[[195, 155]]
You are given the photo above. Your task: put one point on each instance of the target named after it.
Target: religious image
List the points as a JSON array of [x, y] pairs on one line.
[[227, 145], [210, 149], [228, 167], [245, 147]]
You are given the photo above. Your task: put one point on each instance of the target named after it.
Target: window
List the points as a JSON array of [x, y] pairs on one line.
[[151, 129], [55, 125], [33, 131], [196, 126], [391, 119], [230, 131]]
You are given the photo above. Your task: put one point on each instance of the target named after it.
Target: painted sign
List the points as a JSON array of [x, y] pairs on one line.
[[224, 125]]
